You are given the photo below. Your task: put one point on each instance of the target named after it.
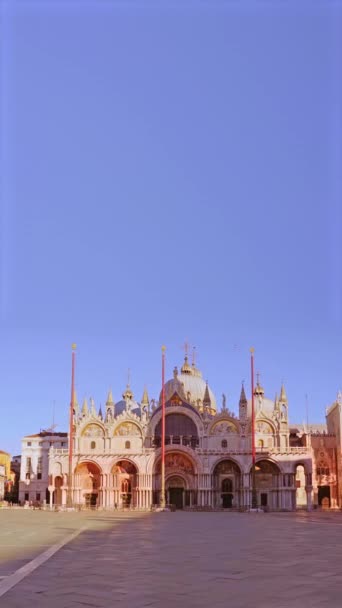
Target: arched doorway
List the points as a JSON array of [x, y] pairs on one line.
[[87, 482], [227, 484], [227, 493], [125, 481], [180, 484], [323, 473], [267, 482], [175, 491]]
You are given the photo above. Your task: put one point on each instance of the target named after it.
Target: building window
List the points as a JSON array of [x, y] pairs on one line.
[[39, 467], [26, 496], [29, 443], [28, 467], [93, 445], [224, 443], [63, 444], [38, 496], [127, 445]]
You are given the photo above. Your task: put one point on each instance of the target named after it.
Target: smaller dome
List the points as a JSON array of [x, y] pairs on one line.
[[120, 407], [261, 403]]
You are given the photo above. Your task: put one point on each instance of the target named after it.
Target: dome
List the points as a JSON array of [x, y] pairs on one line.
[[190, 386], [262, 404], [120, 407]]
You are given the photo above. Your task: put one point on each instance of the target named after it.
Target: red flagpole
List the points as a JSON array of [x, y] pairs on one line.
[[162, 497], [71, 425], [254, 492]]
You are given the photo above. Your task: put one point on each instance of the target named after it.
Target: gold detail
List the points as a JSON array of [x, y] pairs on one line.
[[73, 346], [127, 428]]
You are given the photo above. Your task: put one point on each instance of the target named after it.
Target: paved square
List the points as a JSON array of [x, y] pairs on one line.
[[190, 559]]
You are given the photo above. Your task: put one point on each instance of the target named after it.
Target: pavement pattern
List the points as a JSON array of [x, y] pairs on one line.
[[242, 560]]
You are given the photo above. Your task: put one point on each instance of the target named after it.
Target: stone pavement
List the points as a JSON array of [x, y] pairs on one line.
[[194, 560]]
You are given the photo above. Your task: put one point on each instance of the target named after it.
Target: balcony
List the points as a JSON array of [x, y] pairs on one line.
[[188, 440], [282, 450]]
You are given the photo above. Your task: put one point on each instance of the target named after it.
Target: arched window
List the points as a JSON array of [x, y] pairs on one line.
[[127, 445], [260, 443], [92, 445], [224, 443]]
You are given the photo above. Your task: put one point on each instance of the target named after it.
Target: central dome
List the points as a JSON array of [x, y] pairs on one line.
[[190, 386]]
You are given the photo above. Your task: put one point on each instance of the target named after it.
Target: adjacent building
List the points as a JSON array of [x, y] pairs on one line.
[[34, 464], [5, 473]]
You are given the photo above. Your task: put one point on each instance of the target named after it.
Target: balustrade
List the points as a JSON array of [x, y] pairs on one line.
[[186, 440]]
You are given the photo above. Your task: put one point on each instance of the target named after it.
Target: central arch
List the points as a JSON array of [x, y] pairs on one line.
[[180, 480], [268, 483], [124, 474], [180, 429], [227, 480], [87, 483]]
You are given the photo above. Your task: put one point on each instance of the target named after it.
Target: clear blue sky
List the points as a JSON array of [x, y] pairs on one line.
[[169, 171]]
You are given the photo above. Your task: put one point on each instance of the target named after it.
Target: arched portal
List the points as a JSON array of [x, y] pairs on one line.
[[175, 491], [180, 480], [267, 482], [87, 482], [227, 484], [124, 482]]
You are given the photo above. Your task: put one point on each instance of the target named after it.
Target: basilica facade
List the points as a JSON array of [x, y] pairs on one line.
[[117, 453]]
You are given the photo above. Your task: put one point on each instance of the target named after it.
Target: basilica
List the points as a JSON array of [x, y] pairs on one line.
[[208, 462]]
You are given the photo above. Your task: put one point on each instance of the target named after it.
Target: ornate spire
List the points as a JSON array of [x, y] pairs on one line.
[[206, 398], [283, 397], [92, 407], [110, 400], [276, 402], [75, 399], [100, 412], [85, 407], [128, 395], [243, 399], [145, 400]]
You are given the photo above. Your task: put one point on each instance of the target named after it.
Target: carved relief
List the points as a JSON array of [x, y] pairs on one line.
[[223, 427], [127, 428], [178, 462], [226, 466], [93, 430], [263, 427]]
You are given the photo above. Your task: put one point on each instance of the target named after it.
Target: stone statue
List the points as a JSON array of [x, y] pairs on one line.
[[224, 399]]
